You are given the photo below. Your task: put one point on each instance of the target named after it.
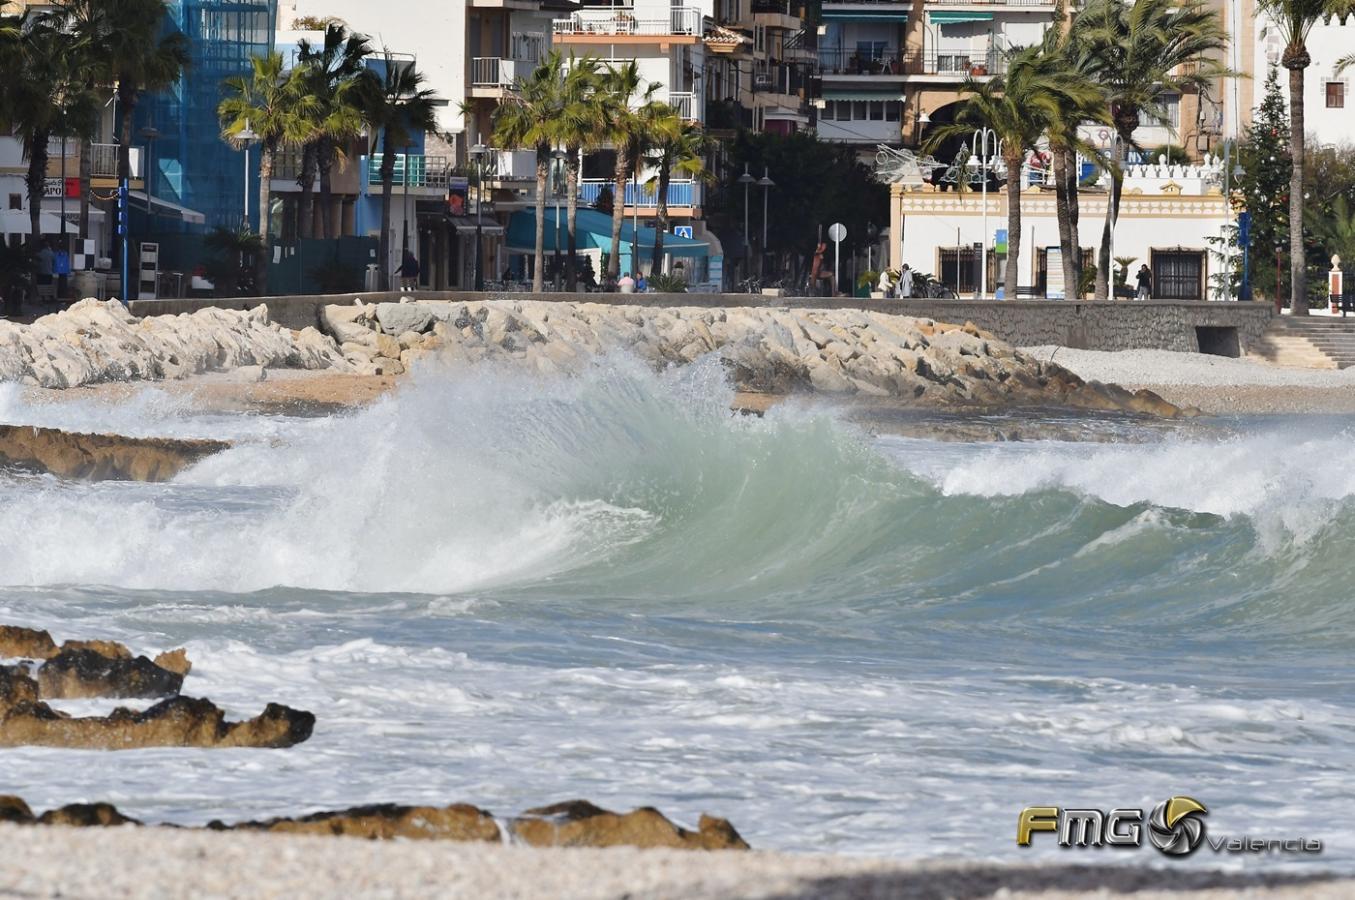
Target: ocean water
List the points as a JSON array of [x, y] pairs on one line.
[[510, 591]]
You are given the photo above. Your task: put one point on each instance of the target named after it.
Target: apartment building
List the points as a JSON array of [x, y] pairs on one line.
[[1328, 95]]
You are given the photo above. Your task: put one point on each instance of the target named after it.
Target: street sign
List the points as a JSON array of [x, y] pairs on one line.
[[1000, 241], [837, 232], [683, 231]]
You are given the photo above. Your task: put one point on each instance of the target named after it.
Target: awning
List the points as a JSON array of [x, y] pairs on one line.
[[954, 18], [16, 221], [466, 225], [166, 208], [829, 94], [593, 229], [863, 15]]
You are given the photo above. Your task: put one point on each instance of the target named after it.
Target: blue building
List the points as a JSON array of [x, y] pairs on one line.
[[189, 164]]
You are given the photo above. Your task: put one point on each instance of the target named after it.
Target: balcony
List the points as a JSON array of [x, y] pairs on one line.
[[103, 160], [621, 22], [494, 75], [680, 193], [1045, 4], [412, 171], [776, 14], [684, 104], [946, 64], [849, 61], [512, 165]]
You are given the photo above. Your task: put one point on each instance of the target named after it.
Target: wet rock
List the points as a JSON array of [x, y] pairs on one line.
[[14, 809], [175, 661], [458, 822], [110, 649], [101, 456], [177, 722], [578, 823], [25, 643], [86, 815], [80, 674]]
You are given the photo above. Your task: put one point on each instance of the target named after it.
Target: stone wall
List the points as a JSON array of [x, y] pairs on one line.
[[1121, 325]]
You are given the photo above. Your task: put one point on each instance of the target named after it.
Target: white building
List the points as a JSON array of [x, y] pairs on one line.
[[1328, 101]]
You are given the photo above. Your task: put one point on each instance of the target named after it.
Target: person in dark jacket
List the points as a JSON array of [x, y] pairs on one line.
[[408, 272], [1145, 281]]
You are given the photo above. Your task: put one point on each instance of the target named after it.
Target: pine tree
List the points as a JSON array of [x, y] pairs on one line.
[[1264, 185]]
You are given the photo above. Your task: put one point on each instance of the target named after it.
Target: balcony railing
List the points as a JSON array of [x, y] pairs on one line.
[[1049, 3], [681, 20], [782, 7], [421, 171], [493, 71], [680, 193], [103, 160], [958, 63], [684, 104]]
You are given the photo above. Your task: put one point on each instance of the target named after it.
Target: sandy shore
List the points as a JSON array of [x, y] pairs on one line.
[[1214, 384], [156, 863]]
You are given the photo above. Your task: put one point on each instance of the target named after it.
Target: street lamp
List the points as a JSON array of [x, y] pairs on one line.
[[247, 137], [982, 159], [479, 153], [747, 181], [404, 206], [765, 182], [558, 156], [1229, 173]]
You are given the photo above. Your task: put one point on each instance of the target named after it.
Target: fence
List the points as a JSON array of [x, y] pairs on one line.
[[680, 193]]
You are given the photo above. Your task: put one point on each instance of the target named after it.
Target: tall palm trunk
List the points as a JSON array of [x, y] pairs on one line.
[[619, 176], [1068, 242], [1296, 59], [665, 176], [36, 181], [542, 175], [387, 176], [324, 161], [572, 202], [1104, 279], [305, 214], [1014, 178], [86, 173], [266, 162], [1074, 214]]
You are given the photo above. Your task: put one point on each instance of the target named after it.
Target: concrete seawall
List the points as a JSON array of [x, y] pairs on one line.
[[1224, 328]]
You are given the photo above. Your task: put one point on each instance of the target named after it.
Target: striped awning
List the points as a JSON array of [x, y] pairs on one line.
[[864, 15], [954, 18]]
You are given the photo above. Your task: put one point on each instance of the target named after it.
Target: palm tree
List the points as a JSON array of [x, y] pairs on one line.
[[1020, 108], [336, 73], [273, 103], [123, 43], [1294, 19], [579, 125], [679, 146], [1138, 52], [526, 120], [628, 130], [398, 106]]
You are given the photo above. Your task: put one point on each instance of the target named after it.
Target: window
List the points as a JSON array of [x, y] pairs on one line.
[[870, 51], [16, 201], [1178, 275], [858, 110], [1336, 95], [1171, 108], [892, 110], [877, 110]]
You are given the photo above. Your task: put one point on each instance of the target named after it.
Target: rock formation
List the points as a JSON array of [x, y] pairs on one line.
[[772, 350], [178, 722], [95, 341], [101, 456], [576, 823], [78, 674]]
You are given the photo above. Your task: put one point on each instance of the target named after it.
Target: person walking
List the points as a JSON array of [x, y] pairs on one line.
[[1145, 282], [886, 287], [408, 272]]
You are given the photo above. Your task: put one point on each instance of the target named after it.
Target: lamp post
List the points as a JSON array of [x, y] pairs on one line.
[[61, 280], [247, 137], [479, 153], [404, 206], [747, 181], [558, 161], [981, 158], [766, 183]]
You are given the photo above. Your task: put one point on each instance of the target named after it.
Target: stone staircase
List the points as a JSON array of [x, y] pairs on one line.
[[1310, 342]]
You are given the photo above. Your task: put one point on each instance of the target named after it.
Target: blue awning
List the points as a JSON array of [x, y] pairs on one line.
[[953, 18], [592, 230]]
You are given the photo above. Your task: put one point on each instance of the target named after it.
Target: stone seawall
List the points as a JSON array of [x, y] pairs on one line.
[[1086, 325]]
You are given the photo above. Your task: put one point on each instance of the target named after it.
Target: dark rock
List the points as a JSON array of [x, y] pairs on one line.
[[78, 674], [458, 822], [14, 809], [86, 815], [101, 456], [25, 643]]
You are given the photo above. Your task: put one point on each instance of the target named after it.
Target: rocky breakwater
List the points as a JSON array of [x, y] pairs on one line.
[[100, 456], [768, 350], [83, 669], [99, 341]]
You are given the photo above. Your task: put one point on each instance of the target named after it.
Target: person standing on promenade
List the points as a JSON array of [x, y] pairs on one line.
[[1145, 281], [627, 284], [408, 272], [905, 282]]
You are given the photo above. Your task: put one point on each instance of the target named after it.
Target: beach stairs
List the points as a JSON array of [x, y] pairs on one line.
[[1310, 342]]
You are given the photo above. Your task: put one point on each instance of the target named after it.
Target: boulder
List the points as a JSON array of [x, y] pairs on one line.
[[397, 318], [101, 456], [14, 809], [86, 815], [25, 643], [578, 823], [387, 821], [110, 649], [175, 661], [80, 674]]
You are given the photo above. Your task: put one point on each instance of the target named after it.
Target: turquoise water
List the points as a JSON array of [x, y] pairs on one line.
[[510, 591]]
